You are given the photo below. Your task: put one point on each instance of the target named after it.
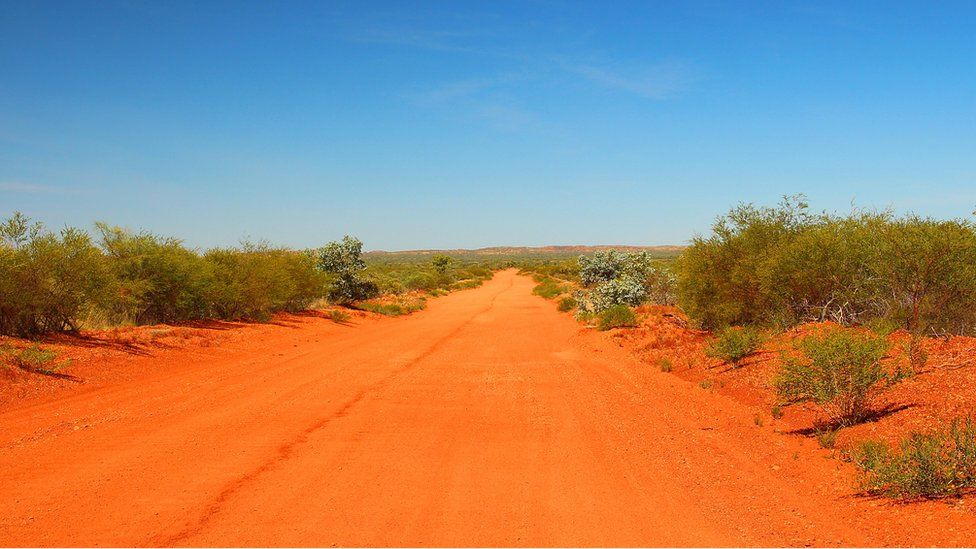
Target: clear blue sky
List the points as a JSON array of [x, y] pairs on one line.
[[465, 124]]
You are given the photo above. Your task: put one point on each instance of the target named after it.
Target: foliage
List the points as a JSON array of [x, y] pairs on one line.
[[933, 464], [617, 316], [616, 278], [258, 280], [734, 344], [394, 308], [57, 282], [566, 304], [783, 265], [48, 282], [839, 369], [155, 279], [32, 359], [401, 272], [548, 288], [338, 316], [441, 262], [343, 260]]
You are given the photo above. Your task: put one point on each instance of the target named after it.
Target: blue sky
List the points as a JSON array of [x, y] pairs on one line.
[[466, 124]]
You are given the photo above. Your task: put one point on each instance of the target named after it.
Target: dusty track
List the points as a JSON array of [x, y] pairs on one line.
[[488, 419]]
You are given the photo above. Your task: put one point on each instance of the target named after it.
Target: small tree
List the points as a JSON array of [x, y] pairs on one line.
[[343, 259], [839, 369], [441, 262]]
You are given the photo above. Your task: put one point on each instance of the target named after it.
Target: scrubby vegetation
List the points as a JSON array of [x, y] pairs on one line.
[[396, 307], [343, 261], [51, 282], [567, 304], [839, 369], [33, 358], [400, 273], [932, 464], [48, 282], [611, 278], [617, 316], [548, 288], [734, 344], [784, 265]]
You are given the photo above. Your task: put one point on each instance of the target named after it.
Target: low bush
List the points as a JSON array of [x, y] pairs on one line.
[[467, 284], [933, 464], [155, 279], [32, 359], [338, 316], [839, 369], [615, 278], [734, 344], [48, 282], [618, 316], [257, 281], [548, 288], [566, 304], [395, 308]]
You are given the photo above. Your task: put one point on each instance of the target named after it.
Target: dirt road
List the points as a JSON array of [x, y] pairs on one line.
[[488, 419]]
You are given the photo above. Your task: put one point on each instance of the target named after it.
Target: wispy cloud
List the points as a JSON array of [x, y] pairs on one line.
[[659, 81], [33, 188]]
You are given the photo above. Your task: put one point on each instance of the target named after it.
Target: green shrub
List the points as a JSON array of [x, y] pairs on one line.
[[343, 260], [548, 288], [257, 281], [934, 464], [467, 284], [440, 263], [48, 282], [396, 308], [338, 316], [665, 365], [156, 279], [839, 369], [566, 304], [783, 265], [32, 359], [618, 316], [734, 344]]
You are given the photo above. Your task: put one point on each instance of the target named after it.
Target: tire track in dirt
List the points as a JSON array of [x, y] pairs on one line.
[[286, 450]]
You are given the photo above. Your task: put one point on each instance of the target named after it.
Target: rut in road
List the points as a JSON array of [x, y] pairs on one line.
[[487, 419]]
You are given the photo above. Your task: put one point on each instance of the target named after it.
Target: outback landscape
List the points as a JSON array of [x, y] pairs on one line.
[[534, 273], [790, 378]]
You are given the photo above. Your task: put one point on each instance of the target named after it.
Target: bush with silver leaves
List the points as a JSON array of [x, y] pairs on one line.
[[617, 278]]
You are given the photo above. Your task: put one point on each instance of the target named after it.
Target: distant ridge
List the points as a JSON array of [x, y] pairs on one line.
[[515, 250]]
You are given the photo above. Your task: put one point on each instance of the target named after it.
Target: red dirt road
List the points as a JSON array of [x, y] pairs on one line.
[[487, 419]]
